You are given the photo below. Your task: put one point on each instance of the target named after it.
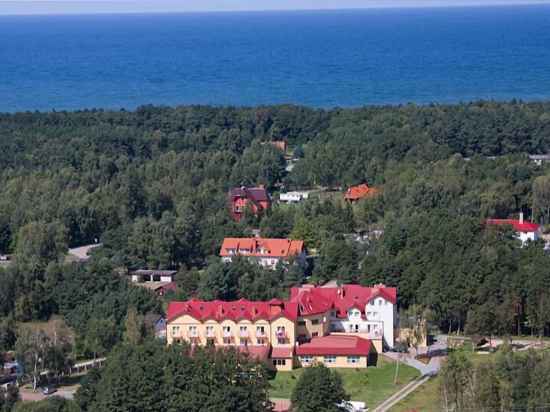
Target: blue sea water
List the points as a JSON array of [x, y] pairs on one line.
[[324, 59]]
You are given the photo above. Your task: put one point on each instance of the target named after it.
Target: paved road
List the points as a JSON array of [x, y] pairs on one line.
[[29, 395]]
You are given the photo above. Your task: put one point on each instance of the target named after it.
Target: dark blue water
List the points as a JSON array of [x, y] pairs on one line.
[[345, 58]]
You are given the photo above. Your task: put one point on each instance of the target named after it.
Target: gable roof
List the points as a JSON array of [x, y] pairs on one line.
[[261, 247], [519, 226], [256, 194], [314, 300], [335, 345], [232, 310]]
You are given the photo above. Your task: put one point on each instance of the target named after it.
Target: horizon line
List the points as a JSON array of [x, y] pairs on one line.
[[501, 4]]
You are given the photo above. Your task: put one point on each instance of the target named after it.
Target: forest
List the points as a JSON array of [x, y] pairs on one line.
[[151, 186]]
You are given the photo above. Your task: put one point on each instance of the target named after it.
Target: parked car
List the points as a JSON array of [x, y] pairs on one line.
[[48, 390]]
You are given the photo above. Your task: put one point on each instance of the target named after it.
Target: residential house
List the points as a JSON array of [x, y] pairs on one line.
[[525, 231], [159, 281], [282, 145], [341, 326], [255, 199], [157, 324], [266, 252], [146, 275], [356, 193], [293, 197]]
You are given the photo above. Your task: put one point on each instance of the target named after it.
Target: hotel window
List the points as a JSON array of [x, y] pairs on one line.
[[333, 313], [306, 359], [301, 323], [329, 359], [210, 331], [279, 362], [314, 321], [353, 359], [380, 302], [175, 330], [243, 333], [314, 334], [281, 335], [227, 335], [192, 331]]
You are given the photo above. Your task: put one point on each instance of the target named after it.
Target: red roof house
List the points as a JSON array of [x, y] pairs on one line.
[[344, 345], [240, 198], [517, 225], [232, 310], [313, 300], [355, 193], [526, 231]]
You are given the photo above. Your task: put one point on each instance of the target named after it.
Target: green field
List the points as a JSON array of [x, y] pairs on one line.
[[371, 385], [425, 399]]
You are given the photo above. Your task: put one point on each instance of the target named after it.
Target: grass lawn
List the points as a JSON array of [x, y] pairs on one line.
[[371, 385], [425, 399]]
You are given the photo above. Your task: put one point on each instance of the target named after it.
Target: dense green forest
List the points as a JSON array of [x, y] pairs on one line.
[[507, 381], [151, 186]]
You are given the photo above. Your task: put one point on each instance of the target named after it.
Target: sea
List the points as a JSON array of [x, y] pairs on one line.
[[316, 58]]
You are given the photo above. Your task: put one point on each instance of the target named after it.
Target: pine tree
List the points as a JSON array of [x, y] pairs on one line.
[[134, 328]]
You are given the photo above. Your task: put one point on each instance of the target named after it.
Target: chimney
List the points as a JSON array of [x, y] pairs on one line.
[[521, 217]]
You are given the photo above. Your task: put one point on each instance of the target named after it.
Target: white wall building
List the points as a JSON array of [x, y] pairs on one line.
[[293, 197]]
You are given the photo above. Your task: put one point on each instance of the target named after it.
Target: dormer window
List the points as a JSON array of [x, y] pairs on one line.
[[354, 313]]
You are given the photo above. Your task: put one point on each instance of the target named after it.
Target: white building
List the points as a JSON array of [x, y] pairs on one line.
[[525, 231], [293, 197], [369, 312]]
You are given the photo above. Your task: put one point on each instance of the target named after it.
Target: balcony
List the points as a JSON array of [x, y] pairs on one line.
[[243, 333], [260, 334], [281, 334], [369, 333]]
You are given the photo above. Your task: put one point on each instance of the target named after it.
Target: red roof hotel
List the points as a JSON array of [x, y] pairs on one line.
[[339, 326]]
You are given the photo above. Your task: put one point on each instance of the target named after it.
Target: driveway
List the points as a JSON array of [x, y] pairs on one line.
[[28, 395]]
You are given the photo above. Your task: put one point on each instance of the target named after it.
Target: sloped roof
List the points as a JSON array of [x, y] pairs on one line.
[[282, 352], [232, 310], [524, 227], [153, 272], [360, 191], [262, 247], [259, 352], [315, 300], [344, 345], [257, 194]]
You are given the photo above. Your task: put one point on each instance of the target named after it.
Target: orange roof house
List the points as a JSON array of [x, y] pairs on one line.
[[267, 252], [355, 193]]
